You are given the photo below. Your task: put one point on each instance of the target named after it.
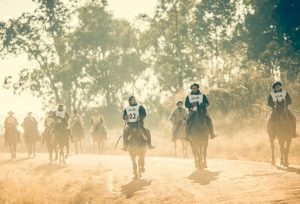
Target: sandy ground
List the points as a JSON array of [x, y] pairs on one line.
[[108, 179]]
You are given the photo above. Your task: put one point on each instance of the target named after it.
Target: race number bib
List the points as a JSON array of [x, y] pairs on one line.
[[60, 116], [279, 96], [196, 98], [133, 113]]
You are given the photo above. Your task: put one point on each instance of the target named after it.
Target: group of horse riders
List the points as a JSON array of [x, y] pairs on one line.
[[134, 115]]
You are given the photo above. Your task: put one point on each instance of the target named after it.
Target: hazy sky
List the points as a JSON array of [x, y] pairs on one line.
[[127, 9]]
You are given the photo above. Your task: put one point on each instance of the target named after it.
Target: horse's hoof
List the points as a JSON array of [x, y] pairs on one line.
[[286, 164], [281, 163], [273, 163], [143, 169], [205, 165]]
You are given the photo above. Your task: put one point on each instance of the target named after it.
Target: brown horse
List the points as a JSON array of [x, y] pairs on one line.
[[51, 143], [198, 138], [179, 134], [30, 138], [137, 149], [62, 137], [99, 135], [12, 136], [280, 126]]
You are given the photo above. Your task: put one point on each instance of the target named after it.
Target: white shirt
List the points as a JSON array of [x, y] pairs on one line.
[[278, 96]]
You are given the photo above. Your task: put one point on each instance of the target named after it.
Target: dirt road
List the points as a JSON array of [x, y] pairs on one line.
[[108, 179]]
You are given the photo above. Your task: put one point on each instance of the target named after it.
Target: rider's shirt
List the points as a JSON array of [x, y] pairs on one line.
[[96, 120], [10, 121], [61, 118], [133, 113], [278, 96], [49, 122], [196, 98]]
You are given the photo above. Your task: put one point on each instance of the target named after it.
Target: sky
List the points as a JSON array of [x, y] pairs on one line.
[[24, 103]]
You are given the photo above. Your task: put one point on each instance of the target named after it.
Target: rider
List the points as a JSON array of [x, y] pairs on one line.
[[10, 122], [30, 126], [278, 95], [134, 116], [61, 118], [178, 118], [76, 125], [97, 122], [48, 124], [194, 101]]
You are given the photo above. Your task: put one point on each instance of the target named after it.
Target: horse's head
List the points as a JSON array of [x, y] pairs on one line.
[[281, 108]]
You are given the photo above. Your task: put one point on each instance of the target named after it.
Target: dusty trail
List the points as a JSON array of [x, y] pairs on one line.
[[108, 179]]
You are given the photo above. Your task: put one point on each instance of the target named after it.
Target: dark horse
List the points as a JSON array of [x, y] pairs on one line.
[[137, 149], [198, 137], [99, 135], [280, 126], [61, 136], [12, 136], [51, 143]]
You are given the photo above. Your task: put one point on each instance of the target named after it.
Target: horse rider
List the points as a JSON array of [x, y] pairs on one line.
[[178, 118], [61, 118], [10, 122], [48, 123], [76, 125], [198, 101], [279, 95], [97, 122], [134, 115], [30, 126]]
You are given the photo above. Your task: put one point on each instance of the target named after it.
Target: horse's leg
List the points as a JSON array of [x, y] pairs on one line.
[[281, 144], [141, 163], [287, 149], [205, 153], [175, 147], [11, 151], [272, 150], [76, 147], [15, 150], [200, 153], [68, 149], [34, 149], [194, 154], [134, 166]]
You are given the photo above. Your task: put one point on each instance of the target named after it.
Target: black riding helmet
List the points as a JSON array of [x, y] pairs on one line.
[[276, 84], [195, 84]]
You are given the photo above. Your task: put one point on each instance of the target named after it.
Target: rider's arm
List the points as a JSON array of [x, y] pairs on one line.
[[205, 102], [188, 105], [142, 112], [270, 102], [125, 117], [288, 99]]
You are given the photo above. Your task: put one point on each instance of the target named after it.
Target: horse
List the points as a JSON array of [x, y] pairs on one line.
[[137, 149], [198, 137], [61, 136], [99, 135], [179, 133], [51, 143], [280, 126], [12, 136], [30, 138], [77, 135]]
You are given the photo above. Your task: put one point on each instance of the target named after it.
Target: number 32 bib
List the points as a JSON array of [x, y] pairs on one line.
[[133, 113]]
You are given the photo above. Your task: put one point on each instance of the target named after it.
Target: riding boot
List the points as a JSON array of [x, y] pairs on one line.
[[211, 127], [146, 132]]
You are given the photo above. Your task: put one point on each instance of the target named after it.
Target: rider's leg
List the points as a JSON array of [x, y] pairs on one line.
[[146, 132], [188, 125], [210, 126]]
